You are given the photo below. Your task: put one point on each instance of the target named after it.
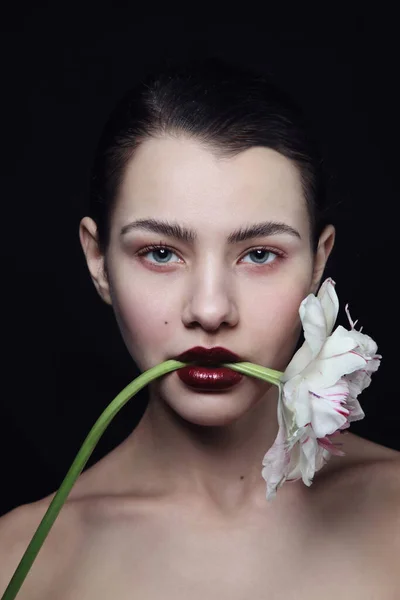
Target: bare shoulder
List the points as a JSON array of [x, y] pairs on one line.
[[364, 483], [17, 528], [375, 495], [363, 449], [360, 452], [362, 490], [358, 498]]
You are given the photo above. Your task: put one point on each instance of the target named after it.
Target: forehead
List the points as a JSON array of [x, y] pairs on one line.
[[180, 177]]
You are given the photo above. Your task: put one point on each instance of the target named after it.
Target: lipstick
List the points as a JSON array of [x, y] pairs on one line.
[[206, 375]]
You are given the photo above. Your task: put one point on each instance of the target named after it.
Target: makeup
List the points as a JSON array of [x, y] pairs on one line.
[[204, 378]]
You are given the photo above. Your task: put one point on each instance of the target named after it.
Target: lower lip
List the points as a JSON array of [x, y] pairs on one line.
[[209, 378]]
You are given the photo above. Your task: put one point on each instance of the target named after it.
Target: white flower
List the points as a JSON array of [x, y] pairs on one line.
[[318, 398]]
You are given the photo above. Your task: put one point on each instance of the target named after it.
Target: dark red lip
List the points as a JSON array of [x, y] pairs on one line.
[[207, 356]]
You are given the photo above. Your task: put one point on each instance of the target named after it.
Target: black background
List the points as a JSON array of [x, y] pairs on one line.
[[63, 69]]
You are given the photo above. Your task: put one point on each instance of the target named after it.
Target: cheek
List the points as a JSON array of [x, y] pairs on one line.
[[144, 319], [277, 307], [276, 326], [279, 316]]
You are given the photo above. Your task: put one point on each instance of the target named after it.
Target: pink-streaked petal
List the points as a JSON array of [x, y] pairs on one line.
[[331, 447], [298, 467], [367, 346], [276, 460], [358, 381], [328, 412], [275, 464], [356, 412], [322, 458], [335, 433], [361, 379], [318, 396], [329, 302], [374, 364]]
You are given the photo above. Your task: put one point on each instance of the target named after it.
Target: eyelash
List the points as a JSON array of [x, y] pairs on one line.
[[279, 254]]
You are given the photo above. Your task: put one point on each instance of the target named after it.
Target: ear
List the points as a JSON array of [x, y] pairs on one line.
[[325, 245], [94, 259]]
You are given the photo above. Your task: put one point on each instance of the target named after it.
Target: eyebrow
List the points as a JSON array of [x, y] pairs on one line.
[[185, 234]]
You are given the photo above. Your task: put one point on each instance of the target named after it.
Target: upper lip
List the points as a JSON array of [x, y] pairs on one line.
[[208, 355]]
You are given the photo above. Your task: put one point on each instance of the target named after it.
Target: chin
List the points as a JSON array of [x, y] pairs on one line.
[[208, 409]]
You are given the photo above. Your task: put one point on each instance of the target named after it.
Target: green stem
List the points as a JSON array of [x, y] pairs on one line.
[[89, 445]]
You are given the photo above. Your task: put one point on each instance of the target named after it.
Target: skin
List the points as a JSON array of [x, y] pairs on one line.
[[179, 507], [209, 445]]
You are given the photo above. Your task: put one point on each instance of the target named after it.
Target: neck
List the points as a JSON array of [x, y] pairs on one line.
[[219, 465]]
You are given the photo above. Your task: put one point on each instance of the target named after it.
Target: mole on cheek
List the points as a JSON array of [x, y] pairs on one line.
[[166, 322]]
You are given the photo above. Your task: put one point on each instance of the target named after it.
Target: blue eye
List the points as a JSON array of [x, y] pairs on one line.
[[164, 251], [262, 251]]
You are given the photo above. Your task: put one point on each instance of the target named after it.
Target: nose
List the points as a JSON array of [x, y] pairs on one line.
[[210, 300]]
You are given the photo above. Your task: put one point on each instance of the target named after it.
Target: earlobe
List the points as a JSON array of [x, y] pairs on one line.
[[325, 246], [94, 258]]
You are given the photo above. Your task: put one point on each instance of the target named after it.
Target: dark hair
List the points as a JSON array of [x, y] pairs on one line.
[[227, 107]]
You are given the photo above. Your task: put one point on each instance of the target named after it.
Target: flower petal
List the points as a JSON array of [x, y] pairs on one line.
[[358, 381], [309, 449], [323, 455], [328, 412], [325, 373], [300, 360], [294, 470], [329, 302], [318, 393], [314, 324], [356, 412], [275, 464], [330, 446], [366, 344], [296, 397], [277, 459], [339, 342]]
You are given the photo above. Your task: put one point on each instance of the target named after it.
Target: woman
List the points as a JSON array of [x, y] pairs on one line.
[[208, 228]]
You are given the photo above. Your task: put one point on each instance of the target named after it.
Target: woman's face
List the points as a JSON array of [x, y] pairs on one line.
[[207, 291]]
